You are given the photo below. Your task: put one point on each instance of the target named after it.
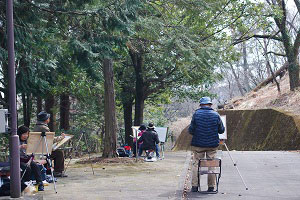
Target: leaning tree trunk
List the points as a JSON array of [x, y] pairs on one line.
[[110, 140], [64, 111], [50, 108]]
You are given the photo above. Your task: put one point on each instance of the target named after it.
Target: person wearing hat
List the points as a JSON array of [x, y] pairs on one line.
[[152, 128], [43, 119], [149, 139], [205, 126]]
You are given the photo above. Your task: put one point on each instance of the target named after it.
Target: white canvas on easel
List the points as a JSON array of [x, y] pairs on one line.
[[36, 143], [161, 132]]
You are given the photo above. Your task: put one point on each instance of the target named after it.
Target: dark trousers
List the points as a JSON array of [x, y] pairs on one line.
[[59, 160], [34, 169]]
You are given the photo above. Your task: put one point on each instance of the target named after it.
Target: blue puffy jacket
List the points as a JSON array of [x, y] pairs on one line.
[[205, 126]]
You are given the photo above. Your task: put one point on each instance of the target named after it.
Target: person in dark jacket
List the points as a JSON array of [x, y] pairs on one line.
[[205, 126], [43, 118], [149, 139], [27, 164]]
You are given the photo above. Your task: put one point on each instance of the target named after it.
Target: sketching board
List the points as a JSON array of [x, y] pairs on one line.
[[161, 131], [224, 135], [58, 144], [36, 143]]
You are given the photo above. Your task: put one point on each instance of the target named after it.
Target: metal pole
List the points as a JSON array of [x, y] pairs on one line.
[[234, 164], [15, 182], [136, 146]]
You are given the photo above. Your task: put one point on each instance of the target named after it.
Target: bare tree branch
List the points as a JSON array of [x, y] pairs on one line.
[[297, 2], [268, 37], [215, 17], [240, 40], [291, 23], [228, 25], [277, 54]]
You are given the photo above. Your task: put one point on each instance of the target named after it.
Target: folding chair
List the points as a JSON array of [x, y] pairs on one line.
[[209, 166]]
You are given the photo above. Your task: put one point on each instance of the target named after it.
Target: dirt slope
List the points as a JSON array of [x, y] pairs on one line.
[[268, 97]]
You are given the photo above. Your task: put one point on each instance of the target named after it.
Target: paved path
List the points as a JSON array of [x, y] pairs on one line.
[[269, 175]]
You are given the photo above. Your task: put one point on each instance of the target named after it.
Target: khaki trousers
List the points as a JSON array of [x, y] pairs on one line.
[[199, 153]]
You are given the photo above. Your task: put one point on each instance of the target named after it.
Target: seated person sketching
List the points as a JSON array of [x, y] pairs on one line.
[[43, 118], [142, 129], [149, 139], [27, 164]]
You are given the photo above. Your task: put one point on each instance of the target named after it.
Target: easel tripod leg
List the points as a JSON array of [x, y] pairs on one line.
[[76, 149], [234, 164], [50, 162]]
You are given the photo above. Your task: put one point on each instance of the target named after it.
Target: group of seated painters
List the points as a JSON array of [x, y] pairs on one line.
[[148, 140], [32, 168]]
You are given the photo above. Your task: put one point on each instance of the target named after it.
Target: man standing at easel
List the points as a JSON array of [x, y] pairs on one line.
[[205, 126], [43, 119]]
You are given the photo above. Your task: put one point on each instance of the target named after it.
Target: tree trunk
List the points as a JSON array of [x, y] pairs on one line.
[[291, 50], [269, 65], [128, 122], [27, 107], [4, 65], [137, 60], [110, 140], [39, 104], [246, 68], [24, 110], [64, 111], [5, 86], [270, 78], [50, 108], [293, 73], [237, 80]]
